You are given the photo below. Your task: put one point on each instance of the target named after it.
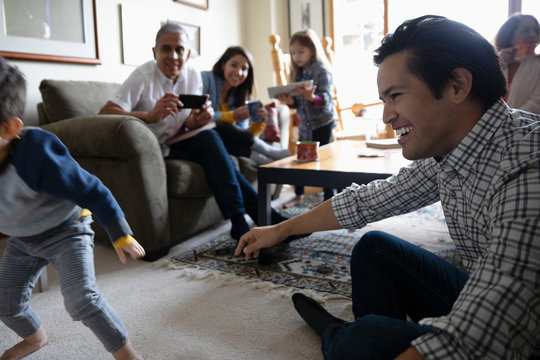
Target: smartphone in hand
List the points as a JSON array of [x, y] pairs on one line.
[[192, 101]]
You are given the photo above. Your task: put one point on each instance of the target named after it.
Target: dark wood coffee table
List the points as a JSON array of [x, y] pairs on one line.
[[339, 166]]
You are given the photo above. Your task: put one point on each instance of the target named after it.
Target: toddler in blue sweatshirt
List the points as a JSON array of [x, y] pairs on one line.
[[46, 200]]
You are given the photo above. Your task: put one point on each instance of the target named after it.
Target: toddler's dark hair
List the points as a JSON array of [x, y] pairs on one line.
[[12, 91]]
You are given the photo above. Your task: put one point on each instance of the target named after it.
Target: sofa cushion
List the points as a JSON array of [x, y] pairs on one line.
[[64, 99], [186, 179]]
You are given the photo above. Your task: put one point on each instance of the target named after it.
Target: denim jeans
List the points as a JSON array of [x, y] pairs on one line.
[[392, 279], [234, 194], [70, 251]]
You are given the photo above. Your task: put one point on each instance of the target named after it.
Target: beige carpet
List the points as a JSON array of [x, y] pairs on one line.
[[178, 318], [185, 313], [170, 316]]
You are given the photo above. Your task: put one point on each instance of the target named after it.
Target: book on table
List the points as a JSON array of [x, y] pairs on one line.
[[383, 143], [190, 133]]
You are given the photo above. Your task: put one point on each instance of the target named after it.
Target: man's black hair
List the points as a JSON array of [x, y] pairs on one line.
[[436, 46]]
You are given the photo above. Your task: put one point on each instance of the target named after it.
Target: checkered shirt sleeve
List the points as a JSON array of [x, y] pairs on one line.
[[412, 188], [489, 187]]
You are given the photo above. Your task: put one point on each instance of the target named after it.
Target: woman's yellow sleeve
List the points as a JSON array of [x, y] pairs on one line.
[[256, 128], [228, 117]]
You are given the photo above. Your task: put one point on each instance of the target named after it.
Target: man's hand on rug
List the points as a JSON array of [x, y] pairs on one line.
[[259, 237]]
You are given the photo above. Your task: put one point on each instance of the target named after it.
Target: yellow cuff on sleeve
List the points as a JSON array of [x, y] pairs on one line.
[[256, 128], [84, 212], [123, 241], [228, 117]]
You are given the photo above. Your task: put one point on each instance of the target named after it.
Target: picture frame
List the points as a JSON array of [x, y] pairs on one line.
[[39, 31], [194, 32], [201, 4], [306, 14]]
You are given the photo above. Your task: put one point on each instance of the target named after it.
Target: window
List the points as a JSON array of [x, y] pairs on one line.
[[359, 28], [531, 7]]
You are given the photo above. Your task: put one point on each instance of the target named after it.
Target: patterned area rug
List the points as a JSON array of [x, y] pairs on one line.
[[319, 262]]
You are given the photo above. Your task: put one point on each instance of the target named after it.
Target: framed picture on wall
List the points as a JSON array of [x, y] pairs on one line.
[[306, 14], [43, 32], [201, 4]]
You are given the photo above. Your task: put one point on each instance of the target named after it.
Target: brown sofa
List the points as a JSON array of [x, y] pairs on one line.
[[165, 201]]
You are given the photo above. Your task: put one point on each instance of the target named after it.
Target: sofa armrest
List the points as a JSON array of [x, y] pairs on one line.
[[106, 136]]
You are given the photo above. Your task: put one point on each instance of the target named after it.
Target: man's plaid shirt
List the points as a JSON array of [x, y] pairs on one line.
[[489, 187]]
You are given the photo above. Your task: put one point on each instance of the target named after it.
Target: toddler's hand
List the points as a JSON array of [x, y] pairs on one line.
[[131, 248]]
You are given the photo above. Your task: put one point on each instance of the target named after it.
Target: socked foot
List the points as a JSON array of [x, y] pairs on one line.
[[239, 226], [314, 314], [26, 347], [127, 352], [294, 202]]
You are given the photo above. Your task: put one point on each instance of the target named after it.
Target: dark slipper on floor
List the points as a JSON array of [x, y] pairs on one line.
[[314, 314]]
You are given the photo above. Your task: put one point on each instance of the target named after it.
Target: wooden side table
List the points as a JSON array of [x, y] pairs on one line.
[[339, 166]]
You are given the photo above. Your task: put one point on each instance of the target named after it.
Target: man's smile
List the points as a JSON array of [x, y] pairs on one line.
[[403, 130]]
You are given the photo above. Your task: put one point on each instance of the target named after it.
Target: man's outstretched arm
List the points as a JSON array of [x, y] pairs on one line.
[[320, 218]]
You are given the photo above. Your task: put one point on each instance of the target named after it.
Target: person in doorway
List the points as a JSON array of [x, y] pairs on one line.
[[515, 42], [231, 83], [442, 89]]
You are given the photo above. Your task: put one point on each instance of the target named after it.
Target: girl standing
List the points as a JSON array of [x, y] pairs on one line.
[[314, 106]]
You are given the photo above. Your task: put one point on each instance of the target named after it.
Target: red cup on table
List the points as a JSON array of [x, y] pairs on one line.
[[307, 150]]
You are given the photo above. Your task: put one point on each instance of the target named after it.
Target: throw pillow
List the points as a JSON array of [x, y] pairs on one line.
[[271, 132]]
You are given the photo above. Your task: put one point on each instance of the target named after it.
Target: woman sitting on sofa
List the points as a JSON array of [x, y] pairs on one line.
[[230, 84]]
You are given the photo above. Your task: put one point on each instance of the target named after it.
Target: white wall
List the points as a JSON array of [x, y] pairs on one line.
[[263, 18], [221, 26]]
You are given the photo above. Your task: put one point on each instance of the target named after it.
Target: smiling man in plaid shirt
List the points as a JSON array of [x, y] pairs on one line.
[[442, 86]]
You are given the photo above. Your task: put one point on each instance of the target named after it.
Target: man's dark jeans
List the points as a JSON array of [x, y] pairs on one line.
[[392, 279], [234, 194]]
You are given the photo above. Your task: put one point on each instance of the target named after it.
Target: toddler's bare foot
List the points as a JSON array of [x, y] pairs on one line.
[[126, 352], [29, 345], [294, 202]]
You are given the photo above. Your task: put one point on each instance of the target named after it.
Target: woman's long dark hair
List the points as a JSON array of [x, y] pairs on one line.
[[243, 91]]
